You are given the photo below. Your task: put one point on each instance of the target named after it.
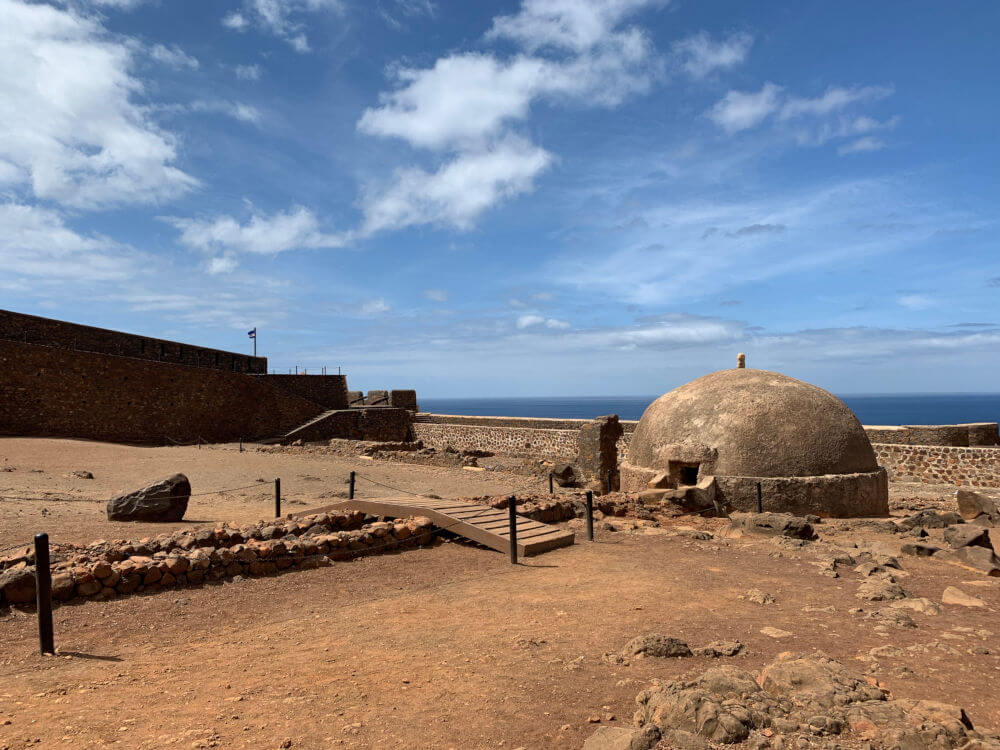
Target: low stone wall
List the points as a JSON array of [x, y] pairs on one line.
[[935, 464], [521, 437], [958, 435], [507, 441], [104, 570]]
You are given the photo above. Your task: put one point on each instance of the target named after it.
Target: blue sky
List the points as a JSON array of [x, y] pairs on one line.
[[548, 197]]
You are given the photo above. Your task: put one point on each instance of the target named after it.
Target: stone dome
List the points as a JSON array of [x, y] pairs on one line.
[[733, 430], [759, 424]]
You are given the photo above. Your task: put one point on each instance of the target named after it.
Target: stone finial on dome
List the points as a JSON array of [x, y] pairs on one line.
[[741, 361]]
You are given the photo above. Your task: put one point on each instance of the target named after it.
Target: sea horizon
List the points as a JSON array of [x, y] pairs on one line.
[[870, 408]]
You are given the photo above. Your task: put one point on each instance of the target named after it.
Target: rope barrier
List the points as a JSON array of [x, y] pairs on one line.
[[387, 486]]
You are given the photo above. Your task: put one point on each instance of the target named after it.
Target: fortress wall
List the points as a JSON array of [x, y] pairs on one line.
[[31, 329], [933, 464], [329, 391], [47, 391]]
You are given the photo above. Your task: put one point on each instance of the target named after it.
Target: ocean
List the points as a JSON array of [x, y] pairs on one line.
[[871, 409]]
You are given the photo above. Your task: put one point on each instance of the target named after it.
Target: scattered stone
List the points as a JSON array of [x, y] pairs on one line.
[[956, 596], [775, 632], [654, 644], [773, 524], [758, 597], [966, 535], [918, 604], [17, 585], [166, 500], [564, 475], [81, 474], [919, 550], [717, 649], [622, 738], [930, 519], [975, 506], [893, 617], [880, 590]]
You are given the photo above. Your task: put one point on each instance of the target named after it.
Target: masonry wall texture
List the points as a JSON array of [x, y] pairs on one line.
[[32, 329], [47, 391], [932, 464]]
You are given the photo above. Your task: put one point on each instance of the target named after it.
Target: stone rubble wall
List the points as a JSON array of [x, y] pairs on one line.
[[104, 570], [935, 464]]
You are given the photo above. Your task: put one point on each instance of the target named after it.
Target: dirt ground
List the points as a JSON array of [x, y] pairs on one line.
[[448, 647], [71, 509]]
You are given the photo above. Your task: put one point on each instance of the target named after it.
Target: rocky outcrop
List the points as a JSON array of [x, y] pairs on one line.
[[796, 701], [977, 507], [166, 500]]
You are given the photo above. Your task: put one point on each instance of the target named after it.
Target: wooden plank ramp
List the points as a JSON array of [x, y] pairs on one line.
[[480, 523]]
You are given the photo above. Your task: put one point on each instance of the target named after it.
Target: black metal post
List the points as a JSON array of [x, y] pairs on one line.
[[551, 488], [611, 476], [350, 487], [241, 445], [199, 442], [43, 594], [590, 515], [512, 512], [277, 497], [760, 500]]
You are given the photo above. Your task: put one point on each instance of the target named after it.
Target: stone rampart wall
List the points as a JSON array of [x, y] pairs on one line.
[[54, 392], [507, 441], [936, 464], [326, 390], [31, 329]]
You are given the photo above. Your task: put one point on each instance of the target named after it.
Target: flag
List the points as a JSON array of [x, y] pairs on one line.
[[252, 334]]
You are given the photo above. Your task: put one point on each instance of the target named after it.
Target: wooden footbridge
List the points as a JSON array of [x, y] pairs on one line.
[[479, 523]]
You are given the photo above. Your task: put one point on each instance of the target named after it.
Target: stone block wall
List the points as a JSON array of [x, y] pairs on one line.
[[960, 435], [56, 392], [31, 329], [380, 424], [329, 391], [934, 464], [508, 441]]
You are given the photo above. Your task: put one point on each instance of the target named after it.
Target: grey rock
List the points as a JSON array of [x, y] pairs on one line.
[[919, 550], [166, 500], [653, 644], [930, 520], [774, 524], [964, 535]]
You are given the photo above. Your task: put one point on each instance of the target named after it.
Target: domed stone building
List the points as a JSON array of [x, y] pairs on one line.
[[726, 431]]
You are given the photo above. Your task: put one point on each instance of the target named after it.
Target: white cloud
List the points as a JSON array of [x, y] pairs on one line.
[[916, 301], [532, 320], [468, 103], [807, 121], [222, 264], [436, 295], [739, 110], [262, 235], [36, 242], [248, 72], [119, 4], [834, 99], [700, 55], [459, 191], [173, 57], [236, 110], [867, 143], [374, 307], [280, 18], [67, 120], [574, 25]]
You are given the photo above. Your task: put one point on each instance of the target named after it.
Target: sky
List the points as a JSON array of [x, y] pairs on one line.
[[536, 198]]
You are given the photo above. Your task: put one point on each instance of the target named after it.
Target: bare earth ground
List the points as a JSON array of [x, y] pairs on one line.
[[443, 647]]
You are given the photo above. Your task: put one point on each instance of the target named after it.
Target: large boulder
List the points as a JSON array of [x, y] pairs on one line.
[[975, 506], [166, 500], [17, 585]]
